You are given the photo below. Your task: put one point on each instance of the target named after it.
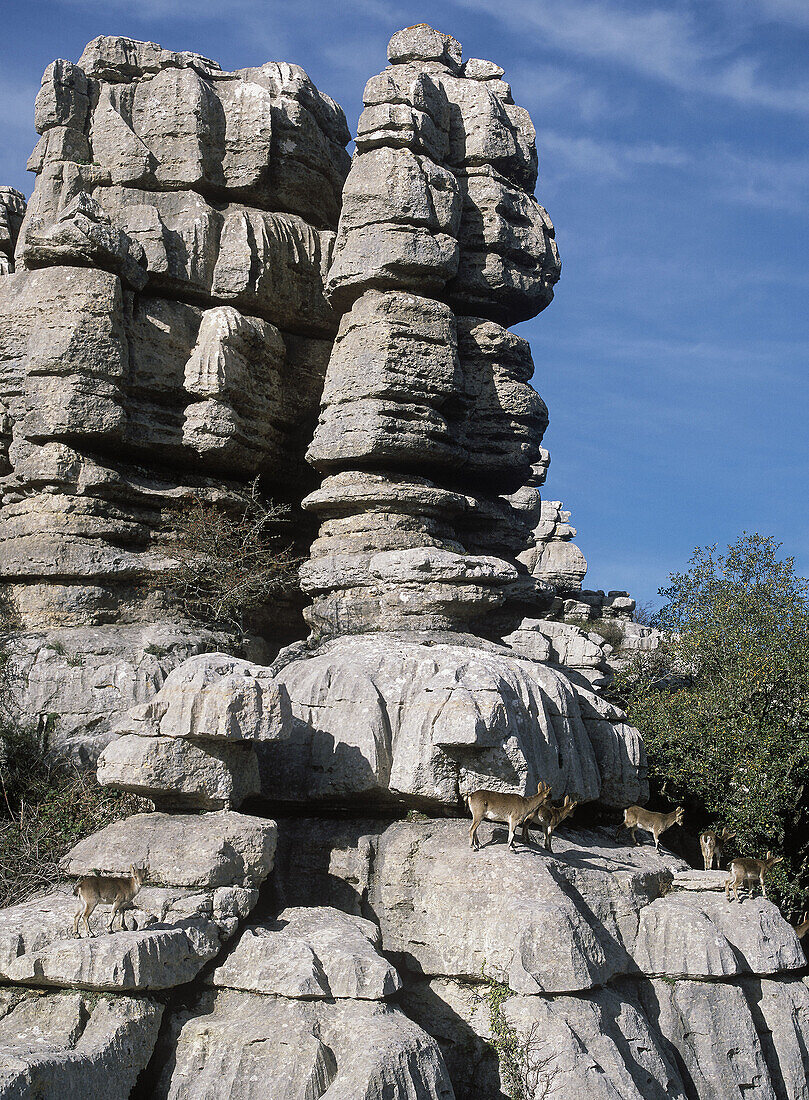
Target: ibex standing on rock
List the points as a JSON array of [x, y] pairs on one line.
[[549, 816], [103, 888], [635, 817], [712, 845], [508, 809], [748, 872]]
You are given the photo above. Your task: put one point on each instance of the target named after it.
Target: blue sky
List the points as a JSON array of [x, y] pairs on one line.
[[674, 162]]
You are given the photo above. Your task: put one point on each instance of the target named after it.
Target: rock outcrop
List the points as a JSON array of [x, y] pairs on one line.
[[427, 417], [191, 283], [164, 335]]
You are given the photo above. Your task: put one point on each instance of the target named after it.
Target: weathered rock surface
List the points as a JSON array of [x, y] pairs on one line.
[[12, 211], [200, 850], [233, 1044], [73, 1046], [440, 243], [374, 719], [315, 952], [203, 872], [164, 336], [38, 948]]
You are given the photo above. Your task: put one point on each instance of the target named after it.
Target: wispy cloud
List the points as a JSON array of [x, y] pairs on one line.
[[664, 44], [575, 155]]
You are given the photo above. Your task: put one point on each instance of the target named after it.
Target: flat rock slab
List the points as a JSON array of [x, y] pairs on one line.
[[318, 952], [701, 935], [699, 880], [38, 948], [249, 1047], [206, 850], [73, 1046], [540, 922]]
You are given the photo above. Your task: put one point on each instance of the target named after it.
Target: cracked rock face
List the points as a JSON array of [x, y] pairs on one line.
[[164, 335], [440, 245]]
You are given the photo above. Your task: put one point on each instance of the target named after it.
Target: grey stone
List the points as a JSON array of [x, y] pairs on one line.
[[176, 773], [568, 923], [233, 1044], [214, 697], [303, 952], [12, 212], [113, 58], [74, 1046], [422, 43], [709, 1026], [62, 99], [201, 850], [83, 234], [38, 948], [698, 935]]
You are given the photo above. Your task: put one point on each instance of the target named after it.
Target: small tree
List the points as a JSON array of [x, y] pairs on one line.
[[724, 707], [232, 562]]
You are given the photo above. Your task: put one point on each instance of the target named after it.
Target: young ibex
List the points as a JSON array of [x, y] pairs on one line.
[[549, 816], [748, 872], [509, 809], [635, 817], [103, 888], [712, 845]]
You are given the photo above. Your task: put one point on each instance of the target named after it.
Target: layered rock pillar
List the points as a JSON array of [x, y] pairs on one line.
[[427, 417], [164, 336]]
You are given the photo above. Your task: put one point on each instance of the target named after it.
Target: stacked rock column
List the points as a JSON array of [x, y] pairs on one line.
[[427, 417]]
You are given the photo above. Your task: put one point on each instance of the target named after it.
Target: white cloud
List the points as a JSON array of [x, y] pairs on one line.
[[664, 44], [576, 155]]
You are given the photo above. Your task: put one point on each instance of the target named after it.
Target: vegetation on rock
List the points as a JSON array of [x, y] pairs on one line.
[[232, 562], [724, 705]]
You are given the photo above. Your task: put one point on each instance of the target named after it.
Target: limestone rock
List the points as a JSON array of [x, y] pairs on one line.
[[214, 697], [12, 211], [699, 935], [440, 720], [233, 1044], [38, 948], [74, 1046], [200, 850], [84, 235], [422, 43], [318, 952], [62, 100], [178, 773], [709, 1026]]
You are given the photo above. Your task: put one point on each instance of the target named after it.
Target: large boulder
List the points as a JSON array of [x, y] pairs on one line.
[[74, 1045]]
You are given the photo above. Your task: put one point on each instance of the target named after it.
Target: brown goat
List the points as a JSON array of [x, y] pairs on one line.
[[636, 817], [508, 809], [105, 888], [748, 872], [712, 845], [549, 816]]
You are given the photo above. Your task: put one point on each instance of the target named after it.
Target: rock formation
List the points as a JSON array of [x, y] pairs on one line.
[[163, 337], [189, 289]]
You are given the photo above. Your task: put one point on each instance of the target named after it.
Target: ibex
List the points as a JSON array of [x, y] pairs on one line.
[[712, 845], [748, 872], [549, 816], [509, 809], [635, 817], [103, 888], [802, 927]]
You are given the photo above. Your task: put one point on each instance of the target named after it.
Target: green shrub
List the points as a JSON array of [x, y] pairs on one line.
[[724, 708], [232, 560], [46, 806]]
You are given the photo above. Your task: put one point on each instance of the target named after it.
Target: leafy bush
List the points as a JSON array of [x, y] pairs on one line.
[[46, 806], [232, 562], [724, 708]]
